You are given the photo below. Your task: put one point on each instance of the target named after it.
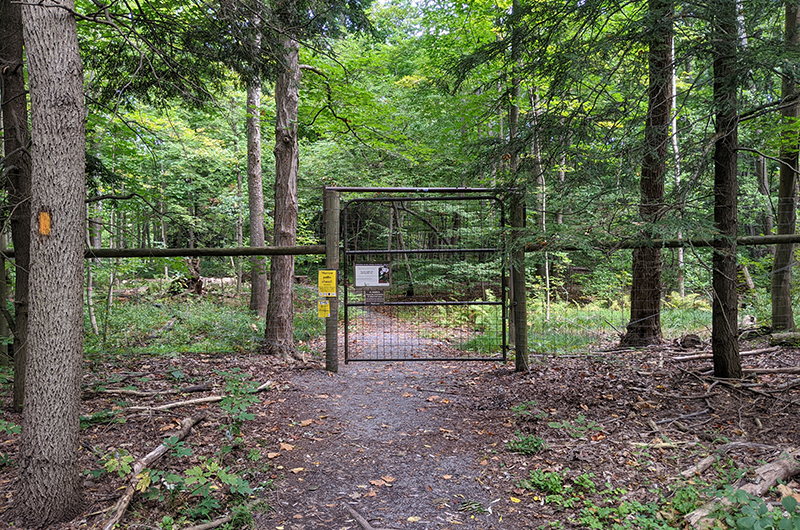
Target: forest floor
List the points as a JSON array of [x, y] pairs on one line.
[[404, 445]]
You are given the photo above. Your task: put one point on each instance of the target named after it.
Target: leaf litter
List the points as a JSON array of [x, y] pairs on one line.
[[372, 440]]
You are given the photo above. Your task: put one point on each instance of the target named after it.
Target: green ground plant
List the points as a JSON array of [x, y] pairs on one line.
[[8, 428], [527, 444], [577, 428]]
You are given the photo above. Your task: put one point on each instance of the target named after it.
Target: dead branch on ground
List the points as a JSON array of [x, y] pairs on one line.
[[139, 465], [207, 399]]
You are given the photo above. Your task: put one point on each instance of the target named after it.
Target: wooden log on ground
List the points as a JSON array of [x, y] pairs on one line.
[[767, 476]]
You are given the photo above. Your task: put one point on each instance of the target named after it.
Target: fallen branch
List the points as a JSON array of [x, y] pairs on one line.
[[767, 476], [705, 463], [360, 520], [139, 465], [699, 356], [221, 520], [662, 445], [685, 416], [198, 401], [176, 404], [788, 370], [150, 393]]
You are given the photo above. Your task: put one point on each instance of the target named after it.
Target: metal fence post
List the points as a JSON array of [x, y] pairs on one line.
[[331, 202]]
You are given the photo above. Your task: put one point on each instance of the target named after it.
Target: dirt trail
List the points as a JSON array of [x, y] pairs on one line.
[[385, 440]]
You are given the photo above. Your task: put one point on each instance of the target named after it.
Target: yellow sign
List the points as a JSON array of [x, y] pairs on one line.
[[327, 284], [324, 308]]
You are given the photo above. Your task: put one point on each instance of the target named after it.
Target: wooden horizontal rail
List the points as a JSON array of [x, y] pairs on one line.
[[744, 241], [194, 252]]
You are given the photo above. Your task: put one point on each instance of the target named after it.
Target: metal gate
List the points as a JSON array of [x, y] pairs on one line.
[[425, 275]]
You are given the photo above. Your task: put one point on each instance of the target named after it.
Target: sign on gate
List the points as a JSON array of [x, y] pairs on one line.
[[373, 275], [327, 283]]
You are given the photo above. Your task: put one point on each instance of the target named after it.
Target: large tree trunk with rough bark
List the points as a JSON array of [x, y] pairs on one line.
[[17, 181], [782, 314], [255, 186], [280, 309], [724, 319], [645, 324], [50, 481]]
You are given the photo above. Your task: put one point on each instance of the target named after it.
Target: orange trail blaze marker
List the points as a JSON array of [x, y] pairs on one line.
[[44, 223]]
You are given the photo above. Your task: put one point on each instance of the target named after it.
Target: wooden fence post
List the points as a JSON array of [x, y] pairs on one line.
[[331, 202]]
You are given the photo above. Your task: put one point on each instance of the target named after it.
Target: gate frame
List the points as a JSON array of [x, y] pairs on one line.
[[511, 303]]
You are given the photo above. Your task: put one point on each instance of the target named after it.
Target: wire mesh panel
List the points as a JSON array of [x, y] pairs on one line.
[[424, 278]]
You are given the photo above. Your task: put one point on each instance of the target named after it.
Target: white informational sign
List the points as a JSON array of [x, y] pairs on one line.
[[373, 275]]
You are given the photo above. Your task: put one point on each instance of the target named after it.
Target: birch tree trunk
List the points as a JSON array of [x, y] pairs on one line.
[[50, 481]]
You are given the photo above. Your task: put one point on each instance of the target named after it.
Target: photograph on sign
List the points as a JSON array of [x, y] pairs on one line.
[[373, 275]]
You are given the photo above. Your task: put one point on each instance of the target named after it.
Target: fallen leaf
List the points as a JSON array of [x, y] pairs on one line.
[[414, 519], [273, 455], [514, 499], [305, 423], [286, 447], [297, 516], [447, 477], [786, 491], [297, 470], [388, 478], [377, 483], [371, 493]]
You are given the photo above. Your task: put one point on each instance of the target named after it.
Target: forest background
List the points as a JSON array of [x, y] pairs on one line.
[[623, 121]]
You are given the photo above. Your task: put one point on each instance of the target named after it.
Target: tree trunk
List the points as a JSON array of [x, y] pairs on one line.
[[724, 340], [782, 314], [50, 481], [16, 140], [645, 325], [258, 274], [676, 155], [280, 326]]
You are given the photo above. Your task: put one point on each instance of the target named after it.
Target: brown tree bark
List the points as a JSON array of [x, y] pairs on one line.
[[16, 139], [782, 314], [645, 324], [724, 339], [255, 186], [279, 335], [50, 481]]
